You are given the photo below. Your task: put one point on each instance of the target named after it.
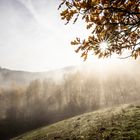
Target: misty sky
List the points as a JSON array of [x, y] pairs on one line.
[[34, 38]]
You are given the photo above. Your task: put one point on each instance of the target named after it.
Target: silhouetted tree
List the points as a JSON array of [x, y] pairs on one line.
[[116, 22]]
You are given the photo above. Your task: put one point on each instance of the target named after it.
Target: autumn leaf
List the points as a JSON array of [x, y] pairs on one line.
[[117, 21]]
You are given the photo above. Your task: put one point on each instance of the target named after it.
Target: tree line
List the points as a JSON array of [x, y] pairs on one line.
[[44, 102]]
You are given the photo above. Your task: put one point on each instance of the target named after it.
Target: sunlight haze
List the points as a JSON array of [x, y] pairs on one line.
[[33, 37]]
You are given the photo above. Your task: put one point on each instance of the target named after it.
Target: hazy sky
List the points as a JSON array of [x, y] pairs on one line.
[[34, 38]]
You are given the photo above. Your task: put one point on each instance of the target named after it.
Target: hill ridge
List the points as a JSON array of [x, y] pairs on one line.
[[117, 123]]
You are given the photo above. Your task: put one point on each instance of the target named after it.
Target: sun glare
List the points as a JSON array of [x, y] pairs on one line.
[[103, 45]]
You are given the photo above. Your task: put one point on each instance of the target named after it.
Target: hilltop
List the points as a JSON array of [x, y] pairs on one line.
[[20, 78], [118, 123]]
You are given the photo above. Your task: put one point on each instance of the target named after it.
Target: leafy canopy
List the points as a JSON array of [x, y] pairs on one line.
[[116, 22]]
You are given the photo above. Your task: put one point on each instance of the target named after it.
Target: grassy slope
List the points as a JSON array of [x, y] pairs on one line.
[[120, 123]]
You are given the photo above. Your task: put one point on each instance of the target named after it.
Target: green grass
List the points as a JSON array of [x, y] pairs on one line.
[[120, 123]]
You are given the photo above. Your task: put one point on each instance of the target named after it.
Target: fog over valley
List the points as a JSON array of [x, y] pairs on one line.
[[62, 93], [43, 80]]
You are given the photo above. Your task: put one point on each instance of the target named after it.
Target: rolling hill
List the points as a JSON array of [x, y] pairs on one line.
[[9, 77], [118, 123], [60, 94]]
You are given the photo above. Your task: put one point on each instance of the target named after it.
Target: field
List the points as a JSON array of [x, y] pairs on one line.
[[118, 123]]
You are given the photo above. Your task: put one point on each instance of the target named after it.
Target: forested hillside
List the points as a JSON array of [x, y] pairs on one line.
[[48, 100]]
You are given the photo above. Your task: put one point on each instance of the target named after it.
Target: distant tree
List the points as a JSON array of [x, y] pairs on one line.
[[116, 22]]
